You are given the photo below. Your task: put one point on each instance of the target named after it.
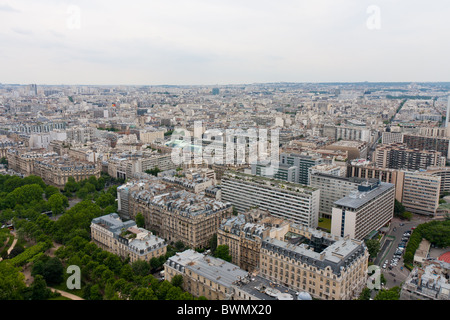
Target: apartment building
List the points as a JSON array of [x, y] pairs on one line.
[[399, 156], [243, 234], [53, 169], [204, 275], [363, 211], [282, 199], [325, 266], [355, 149], [438, 144], [57, 170], [430, 281], [177, 215], [421, 192], [150, 136], [125, 239], [444, 173]]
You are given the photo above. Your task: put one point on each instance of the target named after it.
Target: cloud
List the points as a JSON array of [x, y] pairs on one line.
[[7, 8], [216, 41]]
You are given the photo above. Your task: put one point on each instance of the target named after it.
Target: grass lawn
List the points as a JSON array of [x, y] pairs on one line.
[[325, 224]]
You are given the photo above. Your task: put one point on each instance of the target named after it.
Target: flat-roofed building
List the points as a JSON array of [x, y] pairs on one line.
[[363, 211], [421, 193], [204, 275], [400, 156], [291, 201], [333, 188], [430, 281]]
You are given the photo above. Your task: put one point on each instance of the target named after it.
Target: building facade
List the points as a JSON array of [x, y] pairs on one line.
[[363, 211], [291, 201]]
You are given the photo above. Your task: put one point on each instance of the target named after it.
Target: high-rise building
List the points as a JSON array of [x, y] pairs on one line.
[[363, 211], [439, 144], [333, 188], [400, 156]]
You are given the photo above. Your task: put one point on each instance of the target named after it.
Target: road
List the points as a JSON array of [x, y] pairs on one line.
[[389, 246]]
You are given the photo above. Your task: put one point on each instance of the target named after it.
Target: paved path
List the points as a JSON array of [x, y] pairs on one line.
[[12, 245], [66, 294]]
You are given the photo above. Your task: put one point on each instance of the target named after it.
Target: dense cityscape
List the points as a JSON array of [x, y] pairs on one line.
[[224, 158], [91, 177]]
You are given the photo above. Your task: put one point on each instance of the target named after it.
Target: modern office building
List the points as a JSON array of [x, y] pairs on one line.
[[333, 188], [292, 167], [363, 211], [291, 201], [301, 162]]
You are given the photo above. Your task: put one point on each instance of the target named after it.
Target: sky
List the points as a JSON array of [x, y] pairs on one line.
[[215, 42]]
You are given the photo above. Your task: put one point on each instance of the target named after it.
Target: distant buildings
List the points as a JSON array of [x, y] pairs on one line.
[[400, 156], [53, 169]]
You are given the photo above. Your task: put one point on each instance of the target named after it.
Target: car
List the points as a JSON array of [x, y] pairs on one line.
[[401, 224], [384, 266]]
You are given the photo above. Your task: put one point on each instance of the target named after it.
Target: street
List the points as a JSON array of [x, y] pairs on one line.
[[395, 275]]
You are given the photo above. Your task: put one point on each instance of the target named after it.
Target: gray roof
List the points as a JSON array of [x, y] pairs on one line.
[[359, 198], [214, 269]]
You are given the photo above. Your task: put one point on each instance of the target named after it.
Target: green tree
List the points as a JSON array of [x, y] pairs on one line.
[[391, 294], [141, 267], [58, 203], [177, 281], [39, 290], [140, 220], [153, 171], [365, 294], [373, 245], [222, 252], [399, 208], [50, 190], [12, 282], [95, 293]]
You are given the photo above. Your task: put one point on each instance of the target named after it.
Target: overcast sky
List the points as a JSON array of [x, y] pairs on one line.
[[223, 41]]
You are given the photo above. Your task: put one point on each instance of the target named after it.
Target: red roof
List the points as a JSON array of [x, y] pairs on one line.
[[445, 257]]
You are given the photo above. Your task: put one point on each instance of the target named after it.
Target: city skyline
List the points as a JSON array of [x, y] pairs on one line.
[[216, 43]]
